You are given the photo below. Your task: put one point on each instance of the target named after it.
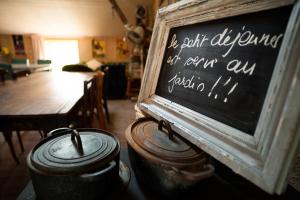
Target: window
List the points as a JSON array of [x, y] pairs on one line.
[[61, 52]]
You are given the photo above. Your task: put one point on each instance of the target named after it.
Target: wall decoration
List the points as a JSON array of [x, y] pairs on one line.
[[18, 44], [122, 49], [99, 48], [4, 55]]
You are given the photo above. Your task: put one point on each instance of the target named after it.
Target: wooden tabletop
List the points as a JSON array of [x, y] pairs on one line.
[[44, 93]]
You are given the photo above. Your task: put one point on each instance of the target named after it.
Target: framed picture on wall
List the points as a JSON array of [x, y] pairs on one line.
[[122, 49], [98, 48], [18, 44]]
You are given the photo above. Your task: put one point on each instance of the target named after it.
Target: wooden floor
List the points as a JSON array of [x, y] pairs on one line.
[[13, 177]]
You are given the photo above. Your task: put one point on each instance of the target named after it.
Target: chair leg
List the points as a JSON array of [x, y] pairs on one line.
[[41, 134], [20, 141], [106, 109], [101, 116], [7, 136]]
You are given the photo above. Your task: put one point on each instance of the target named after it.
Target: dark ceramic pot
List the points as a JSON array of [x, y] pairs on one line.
[[74, 164], [163, 162]]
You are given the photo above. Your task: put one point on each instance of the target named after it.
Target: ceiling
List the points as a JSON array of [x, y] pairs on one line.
[[66, 18]]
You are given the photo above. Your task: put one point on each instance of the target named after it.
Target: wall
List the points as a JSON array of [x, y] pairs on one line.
[[28, 48], [6, 41], [66, 18], [85, 48], [82, 20]]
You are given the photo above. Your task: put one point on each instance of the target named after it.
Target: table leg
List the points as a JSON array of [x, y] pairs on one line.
[[7, 136]]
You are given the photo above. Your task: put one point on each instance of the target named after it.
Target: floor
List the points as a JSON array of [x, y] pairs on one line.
[[13, 177], [223, 185]]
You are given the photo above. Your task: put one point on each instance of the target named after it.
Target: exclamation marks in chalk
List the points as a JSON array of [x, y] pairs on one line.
[[211, 90], [226, 83], [230, 91], [228, 80]]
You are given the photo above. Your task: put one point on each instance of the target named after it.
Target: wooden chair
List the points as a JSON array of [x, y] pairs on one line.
[[8, 135], [84, 68], [91, 105], [88, 102]]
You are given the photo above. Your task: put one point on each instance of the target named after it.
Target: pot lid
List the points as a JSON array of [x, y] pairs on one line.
[[70, 151], [160, 141]]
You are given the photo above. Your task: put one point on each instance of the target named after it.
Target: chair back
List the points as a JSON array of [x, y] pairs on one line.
[[88, 101], [93, 101], [100, 84], [99, 98]]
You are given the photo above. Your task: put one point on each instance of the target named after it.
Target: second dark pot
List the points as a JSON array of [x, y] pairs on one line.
[[162, 161]]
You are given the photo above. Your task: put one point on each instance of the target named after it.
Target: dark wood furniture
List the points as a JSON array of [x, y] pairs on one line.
[[115, 80], [100, 103], [133, 87], [14, 73], [17, 73], [41, 101], [93, 103], [2, 73], [85, 68]]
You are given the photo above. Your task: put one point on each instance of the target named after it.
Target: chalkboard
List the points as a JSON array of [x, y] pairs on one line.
[[222, 68]]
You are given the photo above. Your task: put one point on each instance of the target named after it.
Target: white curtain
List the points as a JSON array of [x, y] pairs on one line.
[[38, 47]]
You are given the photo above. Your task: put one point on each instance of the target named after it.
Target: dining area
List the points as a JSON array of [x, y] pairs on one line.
[[44, 101], [15, 179]]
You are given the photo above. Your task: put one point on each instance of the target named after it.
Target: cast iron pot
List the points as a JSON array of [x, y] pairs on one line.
[[74, 164], [164, 162]]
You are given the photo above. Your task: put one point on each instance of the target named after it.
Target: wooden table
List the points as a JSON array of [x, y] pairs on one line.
[[41, 101]]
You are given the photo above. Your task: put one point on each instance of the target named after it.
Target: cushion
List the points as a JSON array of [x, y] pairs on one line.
[[93, 64], [76, 68]]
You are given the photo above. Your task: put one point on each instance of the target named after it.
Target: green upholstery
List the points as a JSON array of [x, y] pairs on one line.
[[76, 68], [14, 73], [43, 62], [19, 61], [9, 72]]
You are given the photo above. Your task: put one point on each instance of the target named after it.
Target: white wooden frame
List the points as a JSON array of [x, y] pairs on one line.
[[264, 158]]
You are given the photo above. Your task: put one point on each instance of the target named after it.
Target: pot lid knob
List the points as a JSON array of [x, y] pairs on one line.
[[163, 123], [75, 134]]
